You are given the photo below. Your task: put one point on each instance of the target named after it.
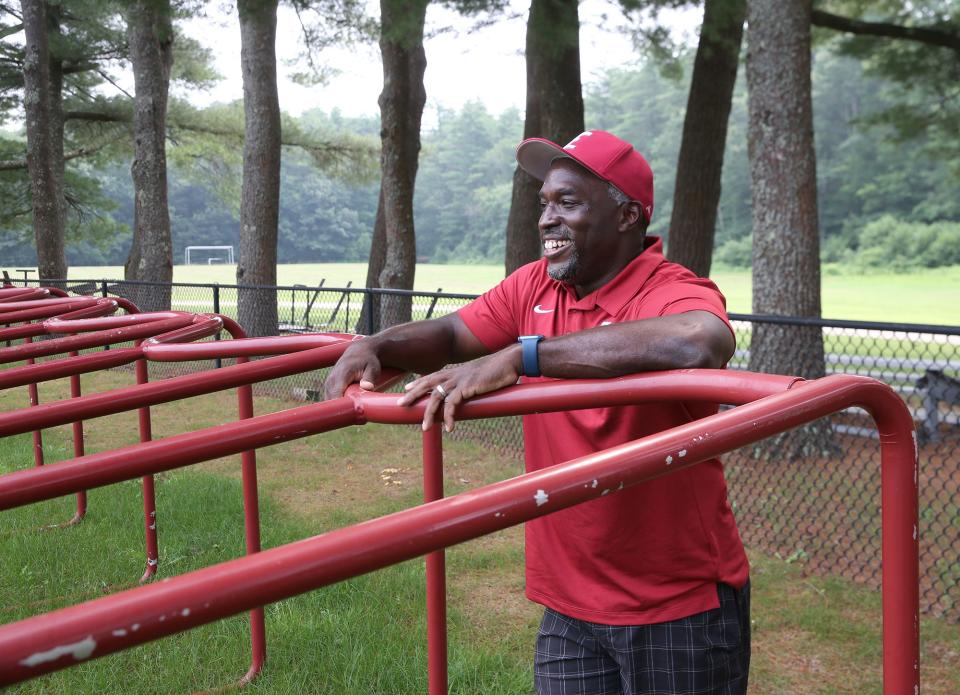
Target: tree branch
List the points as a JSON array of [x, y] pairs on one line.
[[109, 79], [12, 11], [76, 67], [97, 117], [18, 164], [320, 148], [933, 37], [11, 30]]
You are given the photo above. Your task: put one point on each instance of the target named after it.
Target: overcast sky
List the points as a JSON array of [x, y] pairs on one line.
[[485, 65]]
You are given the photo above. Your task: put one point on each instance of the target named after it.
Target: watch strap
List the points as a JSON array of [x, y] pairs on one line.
[[530, 358]]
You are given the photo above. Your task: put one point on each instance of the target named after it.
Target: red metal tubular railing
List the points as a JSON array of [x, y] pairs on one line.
[[7, 293], [23, 304], [89, 316], [166, 329], [770, 405]]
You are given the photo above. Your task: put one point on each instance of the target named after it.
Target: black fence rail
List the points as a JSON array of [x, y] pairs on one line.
[[820, 512], [300, 308]]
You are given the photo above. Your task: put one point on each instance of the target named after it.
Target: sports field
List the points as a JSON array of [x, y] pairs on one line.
[[928, 296]]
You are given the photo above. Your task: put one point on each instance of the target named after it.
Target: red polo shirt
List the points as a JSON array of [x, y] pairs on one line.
[[653, 552]]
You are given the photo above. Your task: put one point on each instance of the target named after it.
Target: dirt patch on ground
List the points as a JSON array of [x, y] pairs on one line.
[[494, 604], [940, 664], [793, 666]]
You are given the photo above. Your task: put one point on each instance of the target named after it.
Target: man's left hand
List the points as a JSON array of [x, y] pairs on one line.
[[450, 387]]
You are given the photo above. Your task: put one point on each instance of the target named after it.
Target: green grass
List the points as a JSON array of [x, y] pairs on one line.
[[365, 635], [922, 296], [341, 640]]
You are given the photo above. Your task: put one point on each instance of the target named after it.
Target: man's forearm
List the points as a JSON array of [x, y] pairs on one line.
[[694, 339], [420, 346], [682, 341]]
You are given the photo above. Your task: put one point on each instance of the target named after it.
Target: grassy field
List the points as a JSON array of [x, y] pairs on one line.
[[367, 635], [928, 296]]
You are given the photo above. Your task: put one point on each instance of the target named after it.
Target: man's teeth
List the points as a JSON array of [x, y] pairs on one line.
[[551, 244]]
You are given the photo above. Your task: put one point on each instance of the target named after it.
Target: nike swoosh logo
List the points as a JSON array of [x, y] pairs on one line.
[[538, 310]]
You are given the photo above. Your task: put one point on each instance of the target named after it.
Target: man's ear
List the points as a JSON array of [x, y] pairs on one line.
[[631, 215]]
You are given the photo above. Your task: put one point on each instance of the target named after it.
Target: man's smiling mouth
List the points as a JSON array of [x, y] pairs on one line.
[[555, 247]]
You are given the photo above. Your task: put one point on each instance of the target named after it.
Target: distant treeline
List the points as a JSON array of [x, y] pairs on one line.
[[883, 202]]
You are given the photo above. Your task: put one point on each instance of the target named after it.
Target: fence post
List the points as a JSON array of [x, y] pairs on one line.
[[370, 300], [433, 304], [217, 363], [293, 307], [103, 291]]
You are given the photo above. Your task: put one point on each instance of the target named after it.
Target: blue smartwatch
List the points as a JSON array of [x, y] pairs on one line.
[[530, 359]]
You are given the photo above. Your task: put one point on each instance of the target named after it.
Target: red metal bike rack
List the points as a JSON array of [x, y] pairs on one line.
[[767, 405]]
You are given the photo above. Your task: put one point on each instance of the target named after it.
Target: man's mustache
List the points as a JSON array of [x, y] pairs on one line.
[[560, 232]]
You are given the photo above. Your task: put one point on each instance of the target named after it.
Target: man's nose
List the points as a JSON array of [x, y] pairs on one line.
[[548, 217]]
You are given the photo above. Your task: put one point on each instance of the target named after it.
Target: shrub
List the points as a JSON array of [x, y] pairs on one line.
[[736, 253], [887, 242]]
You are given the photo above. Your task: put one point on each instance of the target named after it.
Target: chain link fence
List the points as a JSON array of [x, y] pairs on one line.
[[822, 513]]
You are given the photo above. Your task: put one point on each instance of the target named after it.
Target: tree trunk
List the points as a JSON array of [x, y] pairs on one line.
[[700, 164], [401, 109], [42, 122], [369, 321], [150, 33], [59, 162], [554, 111], [786, 248], [260, 195]]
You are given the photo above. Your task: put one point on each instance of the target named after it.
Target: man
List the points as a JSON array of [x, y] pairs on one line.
[[645, 590]]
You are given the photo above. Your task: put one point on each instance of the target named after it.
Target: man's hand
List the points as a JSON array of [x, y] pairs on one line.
[[450, 387], [358, 363], [419, 346]]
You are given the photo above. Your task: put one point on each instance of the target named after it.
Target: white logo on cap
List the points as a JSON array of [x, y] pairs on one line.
[[572, 145]]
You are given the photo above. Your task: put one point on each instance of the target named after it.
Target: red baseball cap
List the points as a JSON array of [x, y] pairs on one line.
[[602, 154]]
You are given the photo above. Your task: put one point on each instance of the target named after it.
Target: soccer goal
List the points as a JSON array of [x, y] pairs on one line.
[[208, 255]]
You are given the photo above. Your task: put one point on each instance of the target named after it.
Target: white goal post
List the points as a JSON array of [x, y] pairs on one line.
[[209, 260]]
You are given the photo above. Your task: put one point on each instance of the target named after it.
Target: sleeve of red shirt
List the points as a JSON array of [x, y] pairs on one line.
[[492, 317], [690, 294]]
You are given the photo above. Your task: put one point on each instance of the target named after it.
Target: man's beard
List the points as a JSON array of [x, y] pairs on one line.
[[568, 270]]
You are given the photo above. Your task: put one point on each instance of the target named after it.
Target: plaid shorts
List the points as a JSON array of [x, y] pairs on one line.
[[706, 653]]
